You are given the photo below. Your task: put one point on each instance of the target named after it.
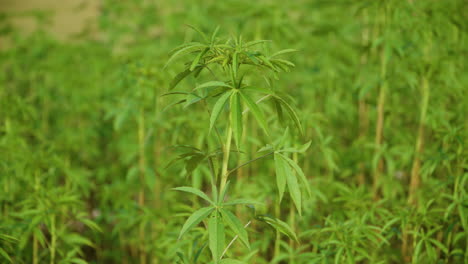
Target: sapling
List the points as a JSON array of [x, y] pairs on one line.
[[233, 66]]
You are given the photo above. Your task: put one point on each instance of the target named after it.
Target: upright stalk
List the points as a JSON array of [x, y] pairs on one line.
[[415, 170], [53, 239], [380, 117], [141, 194], [35, 259], [362, 106], [227, 150]]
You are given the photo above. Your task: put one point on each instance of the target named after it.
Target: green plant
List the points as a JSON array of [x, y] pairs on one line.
[[233, 64]]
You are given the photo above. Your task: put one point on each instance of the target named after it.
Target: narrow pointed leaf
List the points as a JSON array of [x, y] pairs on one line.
[[231, 261], [194, 191], [255, 42], [282, 52], [197, 59], [291, 113], [234, 63], [179, 77], [216, 237], [293, 188], [199, 32], [280, 168], [183, 51], [195, 219], [258, 114], [218, 107], [212, 84], [235, 224], [240, 201], [279, 225], [299, 172]]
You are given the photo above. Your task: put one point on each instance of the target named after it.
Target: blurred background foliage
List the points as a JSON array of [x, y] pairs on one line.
[[85, 135]]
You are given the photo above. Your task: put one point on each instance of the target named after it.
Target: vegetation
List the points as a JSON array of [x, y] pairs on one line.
[[238, 132]]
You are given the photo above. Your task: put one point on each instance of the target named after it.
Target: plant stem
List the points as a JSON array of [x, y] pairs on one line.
[[141, 194], [35, 260], [415, 170], [380, 124], [53, 239], [227, 150]]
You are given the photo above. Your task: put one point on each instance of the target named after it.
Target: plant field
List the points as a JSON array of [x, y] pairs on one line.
[[235, 131]]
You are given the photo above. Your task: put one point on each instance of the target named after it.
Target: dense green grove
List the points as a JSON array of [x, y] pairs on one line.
[[99, 164]]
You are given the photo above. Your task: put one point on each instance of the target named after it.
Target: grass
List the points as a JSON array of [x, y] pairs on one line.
[[238, 132]]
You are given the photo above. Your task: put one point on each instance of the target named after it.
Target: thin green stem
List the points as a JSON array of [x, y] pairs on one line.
[[227, 150]]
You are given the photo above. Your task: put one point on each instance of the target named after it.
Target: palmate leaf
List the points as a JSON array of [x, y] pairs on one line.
[[195, 219], [235, 224], [299, 172], [218, 107], [236, 118], [258, 114], [216, 237], [194, 191]]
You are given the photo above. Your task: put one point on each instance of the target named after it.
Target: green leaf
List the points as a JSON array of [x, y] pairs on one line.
[[231, 261], [279, 225], [258, 114], [186, 50], [195, 219], [256, 89], [178, 78], [194, 191], [236, 118], [213, 84], [216, 237], [282, 52], [255, 42], [197, 59], [280, 167], [202, 34], [218, 107], [5, 255], [294, 189], [215, 32], [76, 239], [299, 172], [236, 225], [291, 113], [241, 201], [234, 63], [78, 261]]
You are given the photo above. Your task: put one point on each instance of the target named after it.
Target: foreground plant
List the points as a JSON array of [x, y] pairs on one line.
[[235, 67]]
